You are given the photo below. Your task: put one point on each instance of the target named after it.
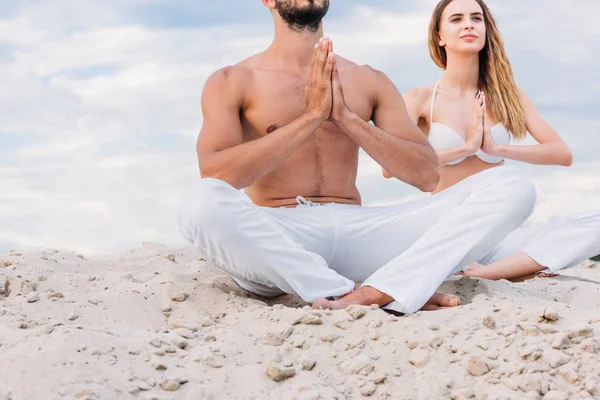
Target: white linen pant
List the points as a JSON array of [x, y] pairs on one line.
[[563, 243], [405, 250]]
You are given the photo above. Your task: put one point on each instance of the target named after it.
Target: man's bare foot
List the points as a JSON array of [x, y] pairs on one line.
[[440, 301], [367, 296]]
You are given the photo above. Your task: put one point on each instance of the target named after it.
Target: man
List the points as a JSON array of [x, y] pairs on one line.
[[286, 125]]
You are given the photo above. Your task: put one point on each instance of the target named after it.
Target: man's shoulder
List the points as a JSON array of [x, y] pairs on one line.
[[229, 83], [236, 74], [362, 71]]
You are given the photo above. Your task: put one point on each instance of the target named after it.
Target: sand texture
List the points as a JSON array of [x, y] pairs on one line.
[[160, 323]]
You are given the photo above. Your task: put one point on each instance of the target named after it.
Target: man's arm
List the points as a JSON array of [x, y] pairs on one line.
[[223, 155], [395, 141], [412, 103]]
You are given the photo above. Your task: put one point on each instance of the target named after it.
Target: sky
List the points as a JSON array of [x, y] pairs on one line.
[[100, 104]]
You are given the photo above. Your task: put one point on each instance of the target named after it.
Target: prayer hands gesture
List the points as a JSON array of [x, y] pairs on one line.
[[339, 107], [324, 93], [319, 97], [480, 135], [489, 145], [476, 127]]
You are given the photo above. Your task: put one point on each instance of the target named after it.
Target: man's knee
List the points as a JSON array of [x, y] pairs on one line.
[[203, 204]]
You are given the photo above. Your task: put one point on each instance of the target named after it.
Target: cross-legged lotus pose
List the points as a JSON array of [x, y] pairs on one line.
[[470, 116], [286, 126]]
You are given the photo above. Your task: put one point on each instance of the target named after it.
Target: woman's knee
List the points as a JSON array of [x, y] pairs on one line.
[[523, 196]]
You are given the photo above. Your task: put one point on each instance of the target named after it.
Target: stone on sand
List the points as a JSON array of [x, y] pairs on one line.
[[278, 373]]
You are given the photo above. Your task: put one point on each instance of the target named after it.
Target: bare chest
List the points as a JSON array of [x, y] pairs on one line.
[[275, 99]]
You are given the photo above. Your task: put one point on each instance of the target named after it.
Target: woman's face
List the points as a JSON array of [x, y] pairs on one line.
[[462, 27]]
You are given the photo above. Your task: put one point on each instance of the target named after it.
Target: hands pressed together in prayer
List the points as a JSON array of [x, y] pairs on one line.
[[324, 92], [479, 136]]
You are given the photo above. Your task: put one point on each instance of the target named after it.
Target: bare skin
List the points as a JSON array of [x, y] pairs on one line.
[[263, 132], [462, 107], [367, 296], [516, 268], [290, 121]]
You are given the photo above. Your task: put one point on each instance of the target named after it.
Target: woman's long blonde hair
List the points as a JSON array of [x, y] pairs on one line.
[[495, 73]]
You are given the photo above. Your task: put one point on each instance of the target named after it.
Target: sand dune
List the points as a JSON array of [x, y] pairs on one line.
[[160, 323]]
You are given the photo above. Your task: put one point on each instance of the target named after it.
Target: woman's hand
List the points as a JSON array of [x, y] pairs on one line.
[[488, 145], [475, 133]]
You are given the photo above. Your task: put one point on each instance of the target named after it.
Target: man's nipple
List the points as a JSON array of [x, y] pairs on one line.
[[272, 128]]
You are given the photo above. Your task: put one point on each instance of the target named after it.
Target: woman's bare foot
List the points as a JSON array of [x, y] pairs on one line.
[[475, 270], [367, 296], [493, 272], [531, 276], [545, 275], [517, 268]]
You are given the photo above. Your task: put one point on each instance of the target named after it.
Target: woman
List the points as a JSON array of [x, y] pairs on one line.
[[470, 117]]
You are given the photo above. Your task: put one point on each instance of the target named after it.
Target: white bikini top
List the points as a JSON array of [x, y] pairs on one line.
[[441, 136]]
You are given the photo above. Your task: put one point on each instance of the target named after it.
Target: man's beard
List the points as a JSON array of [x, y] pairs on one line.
[[301, 18]]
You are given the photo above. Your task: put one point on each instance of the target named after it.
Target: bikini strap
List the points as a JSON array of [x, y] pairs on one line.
[[433, 102]]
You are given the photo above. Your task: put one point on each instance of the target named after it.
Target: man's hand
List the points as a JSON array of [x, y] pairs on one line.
[[339, 108], [318, 92], [475, 133]]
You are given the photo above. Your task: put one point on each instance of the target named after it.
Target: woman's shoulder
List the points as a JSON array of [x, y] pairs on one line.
[[419, 98]]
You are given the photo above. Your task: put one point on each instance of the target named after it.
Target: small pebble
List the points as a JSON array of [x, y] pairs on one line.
[[368, 389], [170, 385], [33, 298], [179, 297], [185, 333], [356, 312], [308, 319], [419, 357], [308, 364], [278, 374], [211, 361], [489, 322], [157, 364], [549, 314], [477, 367]]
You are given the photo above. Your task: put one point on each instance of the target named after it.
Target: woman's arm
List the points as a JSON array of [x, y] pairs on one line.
[[550, 150], [474, 136], [415, 100]]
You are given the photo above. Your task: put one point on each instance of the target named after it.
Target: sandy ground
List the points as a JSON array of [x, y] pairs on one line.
[[160, 323]]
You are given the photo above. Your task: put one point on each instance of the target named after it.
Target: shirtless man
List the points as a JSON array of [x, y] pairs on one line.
[[286, 126]]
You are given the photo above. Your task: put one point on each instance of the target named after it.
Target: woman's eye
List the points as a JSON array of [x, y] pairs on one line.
[[455, 20], [477, 19]]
